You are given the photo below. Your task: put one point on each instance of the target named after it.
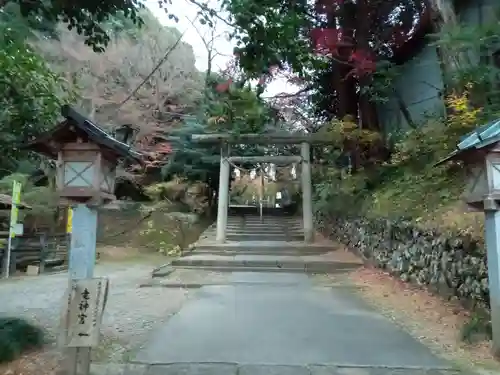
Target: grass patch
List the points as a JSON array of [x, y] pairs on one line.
[[18, 336], [477, 328], [163, 231]]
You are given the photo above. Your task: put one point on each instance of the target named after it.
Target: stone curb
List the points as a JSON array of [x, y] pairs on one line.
[[175, 285], [259, 369], [288, 264], [257, 251], [271, 269]]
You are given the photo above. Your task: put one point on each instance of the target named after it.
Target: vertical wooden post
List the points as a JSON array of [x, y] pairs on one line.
[[492, 234], [82, 258], [43, 252], [12, 265], [307, 210], [223, 201]]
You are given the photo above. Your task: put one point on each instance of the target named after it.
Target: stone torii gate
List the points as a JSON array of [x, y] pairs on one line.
[[226, 140]]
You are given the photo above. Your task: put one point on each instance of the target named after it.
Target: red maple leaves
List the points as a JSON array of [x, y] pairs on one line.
[[327, 41], [363, 63], [225, 86]]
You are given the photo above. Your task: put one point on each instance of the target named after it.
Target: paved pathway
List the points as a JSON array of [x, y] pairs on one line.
[[282, 324]]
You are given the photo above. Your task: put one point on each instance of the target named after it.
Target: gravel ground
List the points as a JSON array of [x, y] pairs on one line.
[[131, 312]]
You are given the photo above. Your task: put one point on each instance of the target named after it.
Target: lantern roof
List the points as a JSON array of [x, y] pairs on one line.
[[477, 139], [77, 126]]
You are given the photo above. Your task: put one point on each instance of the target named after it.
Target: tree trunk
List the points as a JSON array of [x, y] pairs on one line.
[[367, 109], [346, 85], [347, 95]]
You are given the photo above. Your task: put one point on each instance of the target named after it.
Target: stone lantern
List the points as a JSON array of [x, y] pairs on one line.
[[480, 153], [86, 158]]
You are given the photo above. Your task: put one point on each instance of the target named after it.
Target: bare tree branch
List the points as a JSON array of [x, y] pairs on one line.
[[290, 95], [160, 63], [212, 12]]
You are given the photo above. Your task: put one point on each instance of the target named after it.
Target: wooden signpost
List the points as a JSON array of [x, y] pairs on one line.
[[86, 165], [83, 311]]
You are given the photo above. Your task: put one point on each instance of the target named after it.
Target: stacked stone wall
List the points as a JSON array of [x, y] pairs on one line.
[[450, 264]]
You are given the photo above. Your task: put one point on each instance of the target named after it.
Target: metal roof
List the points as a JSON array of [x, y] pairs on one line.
[[481, 137], [98, 135]]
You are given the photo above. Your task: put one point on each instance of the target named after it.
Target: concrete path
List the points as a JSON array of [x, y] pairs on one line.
[[281, 324]]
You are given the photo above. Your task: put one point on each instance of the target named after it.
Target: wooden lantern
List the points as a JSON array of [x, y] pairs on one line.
[[480, 153], [86, 158], [482, 191]]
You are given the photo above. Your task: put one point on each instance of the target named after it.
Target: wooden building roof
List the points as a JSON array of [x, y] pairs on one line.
[[77, 126]]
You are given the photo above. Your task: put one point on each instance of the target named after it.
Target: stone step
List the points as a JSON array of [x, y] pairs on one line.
[[242, 262], [264, 220], [272, 232], [257, 221], [262, 251], [295, 225], [263, 225], [278, 224], [263, 237], [309, 268], [264, 230], [271, 247]]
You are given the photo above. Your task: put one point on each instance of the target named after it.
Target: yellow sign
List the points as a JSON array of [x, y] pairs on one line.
[[14, 210], [69, 223]]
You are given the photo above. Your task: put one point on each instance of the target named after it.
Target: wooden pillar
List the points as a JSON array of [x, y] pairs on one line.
[[223, 201], [307, 209], [82, 258]]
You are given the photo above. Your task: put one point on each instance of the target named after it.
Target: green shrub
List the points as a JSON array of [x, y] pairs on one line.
[[17, 336], [477, 328], [409, 184]]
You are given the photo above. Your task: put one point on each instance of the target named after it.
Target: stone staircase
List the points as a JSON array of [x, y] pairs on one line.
[[270, 244], [269, 228]]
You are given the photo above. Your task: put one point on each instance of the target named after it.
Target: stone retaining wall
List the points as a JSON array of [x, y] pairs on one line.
[[450, 265]]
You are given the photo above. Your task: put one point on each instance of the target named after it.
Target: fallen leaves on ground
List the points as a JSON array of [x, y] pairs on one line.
[[45, 362], [431, 319]]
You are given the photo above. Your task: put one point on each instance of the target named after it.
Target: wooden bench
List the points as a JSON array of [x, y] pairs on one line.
[[35, 249]]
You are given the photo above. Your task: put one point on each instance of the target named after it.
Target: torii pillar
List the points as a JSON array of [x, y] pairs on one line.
[[223, 195], [307, 209]]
